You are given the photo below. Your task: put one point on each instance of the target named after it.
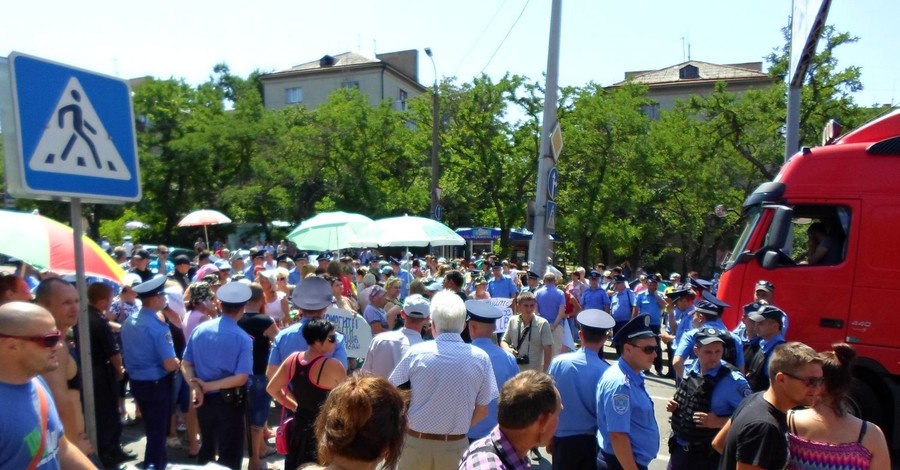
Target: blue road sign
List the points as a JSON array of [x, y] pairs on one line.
[[74, 133], [438, 212], [552, 183]]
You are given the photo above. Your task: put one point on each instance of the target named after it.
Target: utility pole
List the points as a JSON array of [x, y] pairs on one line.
[[435, 144], [544, 208]]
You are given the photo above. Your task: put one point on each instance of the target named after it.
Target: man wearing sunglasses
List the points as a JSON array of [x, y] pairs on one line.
[[61, 299], [756, 435], [32, 430], [627, 432]]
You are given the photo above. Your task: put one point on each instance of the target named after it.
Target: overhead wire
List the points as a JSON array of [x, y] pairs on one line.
[[506, 36], [480, 35]]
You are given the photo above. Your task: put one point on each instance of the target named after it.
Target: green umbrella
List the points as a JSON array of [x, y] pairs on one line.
[[328, 231]]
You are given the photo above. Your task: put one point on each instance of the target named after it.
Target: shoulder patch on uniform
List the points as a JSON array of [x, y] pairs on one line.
[[169, 337], [620, 403], [744, 389]]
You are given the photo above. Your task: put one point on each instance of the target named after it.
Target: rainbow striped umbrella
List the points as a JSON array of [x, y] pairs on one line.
[[47, 244]]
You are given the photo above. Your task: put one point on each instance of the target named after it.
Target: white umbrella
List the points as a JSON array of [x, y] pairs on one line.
[[204, 217], [407, 231], [328, 231], [135, 225]]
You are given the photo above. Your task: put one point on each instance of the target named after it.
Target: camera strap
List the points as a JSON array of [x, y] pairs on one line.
[[526, 331]]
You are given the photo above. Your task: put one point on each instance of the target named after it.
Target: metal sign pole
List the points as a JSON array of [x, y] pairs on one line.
[[541, 237], [84, 330]]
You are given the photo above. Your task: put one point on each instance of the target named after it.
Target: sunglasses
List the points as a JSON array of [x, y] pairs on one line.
[[649, 349], [332, 338], [810, 382], [47, 341]]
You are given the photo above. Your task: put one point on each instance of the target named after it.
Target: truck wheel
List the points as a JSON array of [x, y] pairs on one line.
[[863, 403]]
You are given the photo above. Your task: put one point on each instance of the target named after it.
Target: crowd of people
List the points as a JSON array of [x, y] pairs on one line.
[[204, 345]]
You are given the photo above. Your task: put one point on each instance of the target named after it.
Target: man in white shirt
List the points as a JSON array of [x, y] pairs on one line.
[[451, 384], [389, 347]]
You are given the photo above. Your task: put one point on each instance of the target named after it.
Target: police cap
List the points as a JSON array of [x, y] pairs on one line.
[[234, 293], [150, 288], [314, 293], [595, 319], [637, 327], [708, 336], [768, 312], [482, 312]]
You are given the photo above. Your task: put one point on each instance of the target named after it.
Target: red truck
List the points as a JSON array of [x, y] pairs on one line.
[[826, 233]]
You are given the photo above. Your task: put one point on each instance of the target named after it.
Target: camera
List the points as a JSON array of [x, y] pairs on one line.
[[523, 360]]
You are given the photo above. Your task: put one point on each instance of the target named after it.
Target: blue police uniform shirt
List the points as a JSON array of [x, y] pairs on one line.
[[683, 319], [621, 304], [294, 276], [685, 348], [219, 348], [577, 375], [646, 303], [505, 368], [623, 405], [146, 344], [594, 298], [405, 278], [727, 395], [766, 348], [501, 288], [290, 340], [549, 300]]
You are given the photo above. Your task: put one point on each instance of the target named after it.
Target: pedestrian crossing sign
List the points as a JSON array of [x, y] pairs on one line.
[[69, 133]]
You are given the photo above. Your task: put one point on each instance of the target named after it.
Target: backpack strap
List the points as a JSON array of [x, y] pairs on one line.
[[45, 409]]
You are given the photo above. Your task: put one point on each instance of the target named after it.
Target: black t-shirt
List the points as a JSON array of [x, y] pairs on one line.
[[103, 343], [256, 324], [758, 436]]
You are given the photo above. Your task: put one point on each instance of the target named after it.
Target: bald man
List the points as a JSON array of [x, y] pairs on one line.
[[32, 430], [61, 299]]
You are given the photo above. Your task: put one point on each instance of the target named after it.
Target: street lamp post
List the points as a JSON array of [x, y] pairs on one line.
[[435, 142]]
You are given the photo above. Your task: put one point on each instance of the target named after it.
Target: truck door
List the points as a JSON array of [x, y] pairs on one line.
[[814, 269]]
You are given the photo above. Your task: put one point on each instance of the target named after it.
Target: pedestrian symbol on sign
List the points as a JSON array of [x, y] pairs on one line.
[[75, 142]]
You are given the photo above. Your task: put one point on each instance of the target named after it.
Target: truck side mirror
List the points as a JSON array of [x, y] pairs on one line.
[[779, 229], [770, 259]]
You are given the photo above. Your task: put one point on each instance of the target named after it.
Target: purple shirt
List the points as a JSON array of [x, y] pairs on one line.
[[549, 301], [489, 453]]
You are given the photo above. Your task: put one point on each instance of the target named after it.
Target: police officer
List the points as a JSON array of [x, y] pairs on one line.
[[577, 375], [769, 321], [217, 362], [482, 322], [707, 313], [594, 296], [627, 432], [704, 400], [622, 302], [531, 282], [150, 360]]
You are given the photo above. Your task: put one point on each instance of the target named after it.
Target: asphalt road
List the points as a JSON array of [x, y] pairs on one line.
[[660, 390]]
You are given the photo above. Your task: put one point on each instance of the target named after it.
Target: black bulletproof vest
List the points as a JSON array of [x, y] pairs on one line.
[[694, 394]]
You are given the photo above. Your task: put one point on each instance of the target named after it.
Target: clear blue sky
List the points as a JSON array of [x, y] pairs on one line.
[[601, 39]]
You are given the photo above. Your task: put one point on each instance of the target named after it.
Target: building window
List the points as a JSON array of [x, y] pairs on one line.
[[401, 102], [293, 95], [651, 111], [350, 84], [688, 72]]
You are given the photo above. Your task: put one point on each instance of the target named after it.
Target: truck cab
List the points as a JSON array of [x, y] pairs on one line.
[[826, 233]]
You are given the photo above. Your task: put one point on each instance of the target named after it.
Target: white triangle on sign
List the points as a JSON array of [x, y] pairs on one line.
[[75, 142]]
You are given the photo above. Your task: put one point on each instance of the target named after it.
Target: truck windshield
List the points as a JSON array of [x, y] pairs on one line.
[[752, 218]]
